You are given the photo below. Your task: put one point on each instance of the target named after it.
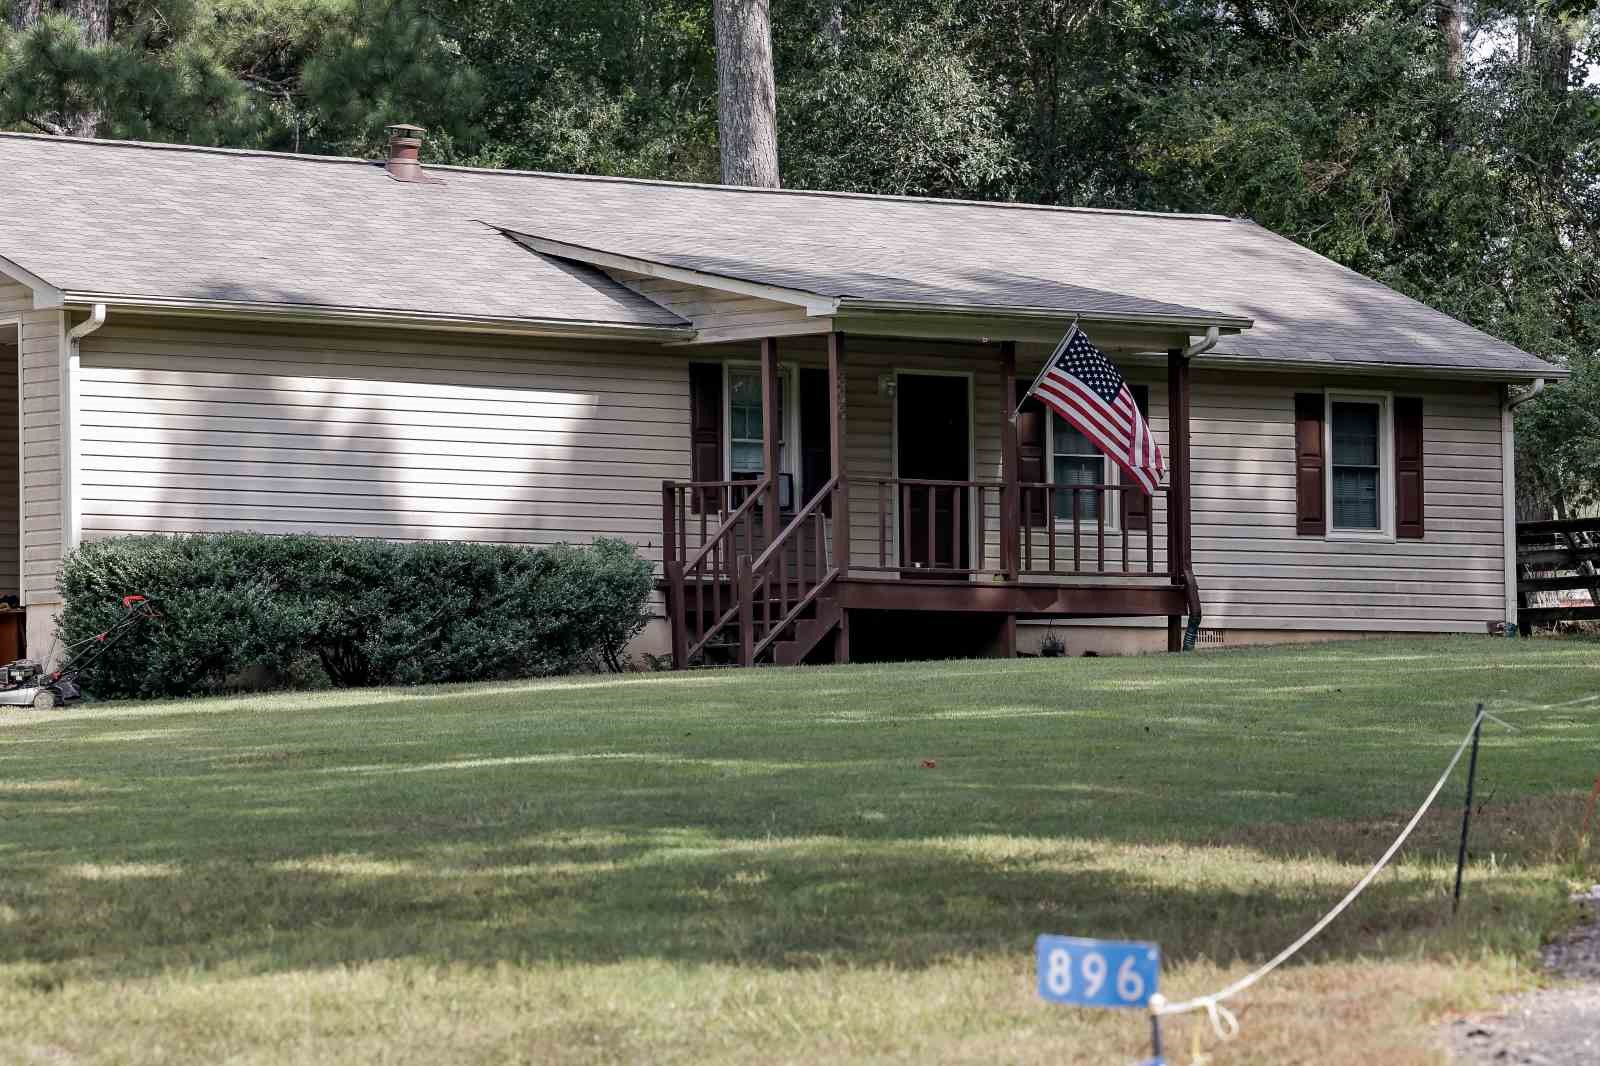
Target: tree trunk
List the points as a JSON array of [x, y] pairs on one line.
[[1447, 16], [1558, 72], [25, 13], [96, 18], [746, 99]]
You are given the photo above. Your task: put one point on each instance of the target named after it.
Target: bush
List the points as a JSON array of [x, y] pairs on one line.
[[369, 612]]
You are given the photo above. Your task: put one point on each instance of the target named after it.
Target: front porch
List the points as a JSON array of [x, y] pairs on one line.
[[773, 567]]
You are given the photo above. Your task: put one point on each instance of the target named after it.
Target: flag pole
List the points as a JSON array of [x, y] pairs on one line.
[[1054, 352]]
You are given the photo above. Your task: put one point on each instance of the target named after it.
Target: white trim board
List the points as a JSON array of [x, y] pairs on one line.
[[46, 297], [14, 322], [814, 303], [1385, 533]]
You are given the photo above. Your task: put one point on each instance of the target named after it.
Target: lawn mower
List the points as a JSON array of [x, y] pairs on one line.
[[25, 683]]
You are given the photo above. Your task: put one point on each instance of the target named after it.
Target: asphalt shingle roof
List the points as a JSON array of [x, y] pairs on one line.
[[216, 225]]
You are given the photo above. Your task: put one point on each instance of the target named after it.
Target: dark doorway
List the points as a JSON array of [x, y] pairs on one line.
[[931, 412], [816, 447]]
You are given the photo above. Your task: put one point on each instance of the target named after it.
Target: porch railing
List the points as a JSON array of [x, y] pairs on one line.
[[787, 577], [694, 513], [923, 528], [1048, 539], [705, 535], [723, 575]]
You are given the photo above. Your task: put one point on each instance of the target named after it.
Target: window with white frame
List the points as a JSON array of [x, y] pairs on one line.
[[1359, 446], [745, 424], [1075, 460]]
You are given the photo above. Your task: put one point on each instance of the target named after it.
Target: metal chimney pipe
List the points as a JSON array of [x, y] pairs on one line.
[[405, 152]]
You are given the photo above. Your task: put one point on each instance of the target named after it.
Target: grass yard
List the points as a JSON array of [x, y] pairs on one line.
[[732, 867]]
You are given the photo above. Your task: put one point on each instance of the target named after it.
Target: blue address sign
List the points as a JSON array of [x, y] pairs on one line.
[[1097, 973]]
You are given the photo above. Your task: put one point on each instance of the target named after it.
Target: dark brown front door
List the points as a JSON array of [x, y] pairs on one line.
[[933, 445]]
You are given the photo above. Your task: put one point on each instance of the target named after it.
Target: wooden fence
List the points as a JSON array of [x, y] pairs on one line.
[[1554, 561]]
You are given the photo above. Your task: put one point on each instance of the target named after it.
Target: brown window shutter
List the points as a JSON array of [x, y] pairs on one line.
[[705, 430], [1031, 439], [1310, 465], [1138, 503], [1408, 467]]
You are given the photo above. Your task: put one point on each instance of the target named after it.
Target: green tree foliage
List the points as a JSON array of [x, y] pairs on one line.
[[888, 101], [1462, 172], [312, 75], [625, 87]]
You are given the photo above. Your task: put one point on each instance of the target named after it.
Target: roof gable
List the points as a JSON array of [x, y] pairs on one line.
[[289, 231]]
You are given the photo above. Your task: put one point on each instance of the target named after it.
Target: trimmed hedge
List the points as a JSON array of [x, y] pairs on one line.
[[362, 612]]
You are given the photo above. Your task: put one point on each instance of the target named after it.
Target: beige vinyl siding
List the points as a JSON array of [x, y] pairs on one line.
[[39, 357], [193, 427], [1255, 572], [400, 436], [14, 298]]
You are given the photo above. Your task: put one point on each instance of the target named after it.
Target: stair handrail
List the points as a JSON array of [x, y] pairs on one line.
[[758, 492], [794, 523], [758, 570], [683, 650]]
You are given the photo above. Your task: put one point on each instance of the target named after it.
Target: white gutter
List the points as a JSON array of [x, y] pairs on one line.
[[1205, 344], [324, 314], [72, 453], [1517, 401], [848, 305], [1508, 492], [96, 319], [1393, 370]]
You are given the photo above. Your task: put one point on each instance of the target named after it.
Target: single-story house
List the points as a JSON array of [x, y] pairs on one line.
[[798, 404]]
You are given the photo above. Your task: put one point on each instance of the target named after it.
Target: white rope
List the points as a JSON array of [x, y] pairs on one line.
[[1223, 1021]]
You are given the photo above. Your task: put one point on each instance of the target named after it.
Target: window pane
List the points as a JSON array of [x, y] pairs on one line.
[[1076, 461], [1356, 465], [745, 458], [1355, 497], [1074, 471], [744, 406], [1355, 434], [1068, 441]]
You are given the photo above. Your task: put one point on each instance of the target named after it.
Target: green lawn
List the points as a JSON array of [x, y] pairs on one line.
[[743, 866]]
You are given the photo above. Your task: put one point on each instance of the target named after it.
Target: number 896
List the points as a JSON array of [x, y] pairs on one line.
[[1092, 970]]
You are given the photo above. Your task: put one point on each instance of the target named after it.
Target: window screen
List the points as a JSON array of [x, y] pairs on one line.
[[1075, 461], [744, 423], [1356, 469]]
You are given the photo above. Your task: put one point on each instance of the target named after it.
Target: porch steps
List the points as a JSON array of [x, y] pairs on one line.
[[807, 633]]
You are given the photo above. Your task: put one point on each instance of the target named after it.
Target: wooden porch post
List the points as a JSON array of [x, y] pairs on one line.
[[836, 449], [1178, 535], [1008, 460], [769, 434]]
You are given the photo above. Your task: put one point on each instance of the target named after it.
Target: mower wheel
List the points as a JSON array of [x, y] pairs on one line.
[[45, 700]]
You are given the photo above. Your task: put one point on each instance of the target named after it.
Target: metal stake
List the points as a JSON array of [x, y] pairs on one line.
[[1155, 1037], [1466, 814]]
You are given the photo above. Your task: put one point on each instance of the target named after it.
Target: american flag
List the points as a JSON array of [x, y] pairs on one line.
[[1082, 386]]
